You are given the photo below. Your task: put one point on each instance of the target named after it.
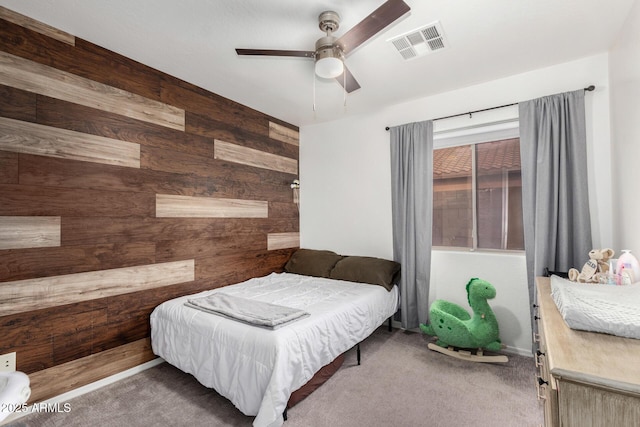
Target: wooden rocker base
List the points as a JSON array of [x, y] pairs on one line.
[[467, 355]]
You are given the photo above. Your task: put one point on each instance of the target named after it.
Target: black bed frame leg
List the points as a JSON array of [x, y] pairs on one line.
[[390, 324], [284, 414], [358, 353]]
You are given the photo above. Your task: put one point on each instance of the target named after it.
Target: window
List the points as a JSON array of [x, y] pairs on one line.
[[477, 196]]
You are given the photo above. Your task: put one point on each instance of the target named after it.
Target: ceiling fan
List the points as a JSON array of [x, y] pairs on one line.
[[331, 51]]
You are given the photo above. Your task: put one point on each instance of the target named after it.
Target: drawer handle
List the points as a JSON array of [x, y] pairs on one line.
[[536, 357], [539, 385]]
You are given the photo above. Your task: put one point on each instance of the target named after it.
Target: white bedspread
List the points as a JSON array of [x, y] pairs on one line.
[[256, 368]]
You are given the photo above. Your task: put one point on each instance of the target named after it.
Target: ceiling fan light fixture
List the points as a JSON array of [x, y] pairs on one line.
[[329, 67], [329, 59]]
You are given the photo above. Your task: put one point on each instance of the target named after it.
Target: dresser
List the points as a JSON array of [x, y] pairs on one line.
[[585, 378]]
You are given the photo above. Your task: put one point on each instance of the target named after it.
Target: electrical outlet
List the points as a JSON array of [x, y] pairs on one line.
[[8, 362]]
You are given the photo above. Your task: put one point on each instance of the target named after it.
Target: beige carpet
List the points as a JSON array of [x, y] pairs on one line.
[[400, 383]]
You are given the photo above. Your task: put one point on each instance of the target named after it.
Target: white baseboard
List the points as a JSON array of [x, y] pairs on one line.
[[518, 351], [88, 388]]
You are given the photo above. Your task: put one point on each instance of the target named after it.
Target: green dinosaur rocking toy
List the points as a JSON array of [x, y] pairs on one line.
[[454, 327]]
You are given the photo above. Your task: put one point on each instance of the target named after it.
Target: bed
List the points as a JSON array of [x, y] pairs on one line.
[[343, 299]]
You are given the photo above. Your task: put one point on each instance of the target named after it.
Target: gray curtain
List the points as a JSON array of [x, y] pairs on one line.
[[412, 195], [555, 200]]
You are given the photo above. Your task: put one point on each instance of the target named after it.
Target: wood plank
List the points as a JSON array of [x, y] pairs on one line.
[[195, 99], [34, 356], [172, 161], [168, 250], [127, 329], [17, 104], [80, 339], [248, 156], [175, 206], [31, 334], [283, 240], [106, 66], [28, 75], [52, 172], [210, 127], [68, 115], [75, 345], [234, 268], [40, 27], [18, 200], [8, 167], [41, 262], [60, 379], [129, 317], [18, 232], [139, 305], [41, 325], [107, 230], [220, 172], [278, 209], [34, 294], [284, 134], [24, 137]]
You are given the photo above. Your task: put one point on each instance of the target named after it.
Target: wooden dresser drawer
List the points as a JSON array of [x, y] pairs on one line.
[[546, 387]]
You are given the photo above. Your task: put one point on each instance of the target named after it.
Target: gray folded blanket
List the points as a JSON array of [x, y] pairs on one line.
[[249, 311]]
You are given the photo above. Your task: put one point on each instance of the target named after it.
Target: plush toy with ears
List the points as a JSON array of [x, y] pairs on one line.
[[597, 265]]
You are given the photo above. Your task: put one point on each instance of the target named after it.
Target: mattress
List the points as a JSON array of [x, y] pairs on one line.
[[608, 309], [256, 368]]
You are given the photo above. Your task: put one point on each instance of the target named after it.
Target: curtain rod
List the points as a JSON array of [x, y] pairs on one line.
[[586, 89]]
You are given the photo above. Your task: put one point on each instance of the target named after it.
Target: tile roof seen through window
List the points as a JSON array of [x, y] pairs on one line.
[[454, 162]]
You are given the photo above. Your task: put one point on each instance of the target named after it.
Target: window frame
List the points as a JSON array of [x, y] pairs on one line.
[[471, 136]]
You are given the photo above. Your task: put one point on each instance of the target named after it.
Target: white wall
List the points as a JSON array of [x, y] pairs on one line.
[[346, 189], [625, 112], [507, 272]]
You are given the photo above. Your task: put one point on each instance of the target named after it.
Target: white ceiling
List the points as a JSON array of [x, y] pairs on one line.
[[195, 41]]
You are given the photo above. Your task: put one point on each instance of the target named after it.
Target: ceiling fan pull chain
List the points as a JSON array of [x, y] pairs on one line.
[[314, 92]]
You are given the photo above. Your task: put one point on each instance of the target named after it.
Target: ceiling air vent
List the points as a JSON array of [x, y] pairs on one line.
[[420, 41]]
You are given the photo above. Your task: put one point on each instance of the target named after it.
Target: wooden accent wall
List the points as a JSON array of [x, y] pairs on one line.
[[122, 187]]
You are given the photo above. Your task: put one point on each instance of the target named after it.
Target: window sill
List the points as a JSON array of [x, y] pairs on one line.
[[479, 251]]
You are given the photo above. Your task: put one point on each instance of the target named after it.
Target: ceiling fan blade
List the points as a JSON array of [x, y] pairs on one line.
[[351, 83], [275, 52], [372, 24]]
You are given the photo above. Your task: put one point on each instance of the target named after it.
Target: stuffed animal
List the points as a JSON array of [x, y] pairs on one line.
[[454, 326], [595, 268]]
